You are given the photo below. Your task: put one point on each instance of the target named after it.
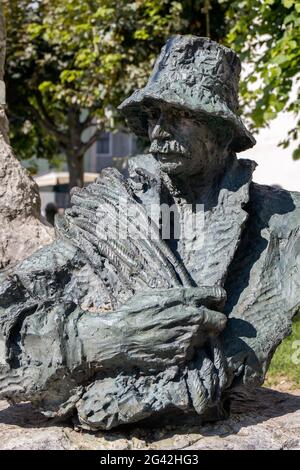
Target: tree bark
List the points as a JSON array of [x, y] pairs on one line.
[[75, 158], [69, 141], [21, 229], [76, 169]]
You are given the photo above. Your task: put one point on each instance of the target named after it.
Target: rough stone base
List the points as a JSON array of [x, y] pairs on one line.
[[266, 419]]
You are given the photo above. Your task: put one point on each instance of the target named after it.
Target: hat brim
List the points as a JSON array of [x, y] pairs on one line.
[[136, 110]]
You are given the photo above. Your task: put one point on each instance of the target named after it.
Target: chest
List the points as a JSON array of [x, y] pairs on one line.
[[204, 230], [205, 237]]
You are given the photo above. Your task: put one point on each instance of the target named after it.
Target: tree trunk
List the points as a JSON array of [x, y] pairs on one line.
[[76, 169], [75, 158], [21, 230]]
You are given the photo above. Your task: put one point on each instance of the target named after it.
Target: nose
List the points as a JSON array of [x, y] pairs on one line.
[[159, 130]]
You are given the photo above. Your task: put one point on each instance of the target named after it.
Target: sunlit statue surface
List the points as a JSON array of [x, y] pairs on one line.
[[139, 314]]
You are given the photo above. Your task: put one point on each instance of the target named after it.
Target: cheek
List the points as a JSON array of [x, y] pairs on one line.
[[200, 140], [188, 131], [193, 140]]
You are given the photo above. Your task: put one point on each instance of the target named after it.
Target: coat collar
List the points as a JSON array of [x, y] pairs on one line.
[[216, 230]]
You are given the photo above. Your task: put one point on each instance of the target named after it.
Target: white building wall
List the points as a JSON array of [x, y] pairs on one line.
[[121, 145], [275, 164]]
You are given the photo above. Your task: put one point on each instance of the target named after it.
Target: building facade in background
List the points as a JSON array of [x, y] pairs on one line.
[[111, 150]]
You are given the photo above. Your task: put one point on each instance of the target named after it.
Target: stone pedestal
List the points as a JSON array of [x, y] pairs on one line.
[[265, 419]]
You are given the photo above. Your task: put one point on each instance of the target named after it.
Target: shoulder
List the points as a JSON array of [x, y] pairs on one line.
[[49, 259], [275, 208]]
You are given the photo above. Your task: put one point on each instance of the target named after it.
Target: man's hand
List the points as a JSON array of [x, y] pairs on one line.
[[154, 330]]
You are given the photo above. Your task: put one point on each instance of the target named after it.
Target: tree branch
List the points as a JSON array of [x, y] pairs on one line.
[[90, 142], [43, 117]]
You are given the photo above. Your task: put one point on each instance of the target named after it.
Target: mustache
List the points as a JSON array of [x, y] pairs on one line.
[[167, 146]]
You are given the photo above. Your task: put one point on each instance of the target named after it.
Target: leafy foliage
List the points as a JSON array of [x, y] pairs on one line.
[[70, 63], [266, 34]]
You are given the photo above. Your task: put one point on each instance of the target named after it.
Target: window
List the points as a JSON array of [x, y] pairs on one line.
[[103, 144]]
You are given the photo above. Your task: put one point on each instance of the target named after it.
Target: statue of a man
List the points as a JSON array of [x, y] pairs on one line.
[[131, 315]]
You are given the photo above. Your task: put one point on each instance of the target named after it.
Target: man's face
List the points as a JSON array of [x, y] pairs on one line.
[[182, 145]]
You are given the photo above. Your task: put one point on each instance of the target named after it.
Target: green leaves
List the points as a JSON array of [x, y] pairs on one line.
[[141, 34], [104, 13], [296, 154], [46, 86], [66, 76], [66, 55], [288, 3], [35, 30], [267, 36]]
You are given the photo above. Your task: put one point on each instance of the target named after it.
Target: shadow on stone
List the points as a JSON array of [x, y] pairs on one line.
[[24, 415], [257, 407]]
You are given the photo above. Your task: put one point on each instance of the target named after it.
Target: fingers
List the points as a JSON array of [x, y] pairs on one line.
[[210, 297], [213, 322]]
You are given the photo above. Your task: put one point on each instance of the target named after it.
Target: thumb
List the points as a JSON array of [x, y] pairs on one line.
[[213, 322]]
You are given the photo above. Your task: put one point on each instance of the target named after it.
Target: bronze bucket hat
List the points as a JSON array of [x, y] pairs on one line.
[[198, 75]]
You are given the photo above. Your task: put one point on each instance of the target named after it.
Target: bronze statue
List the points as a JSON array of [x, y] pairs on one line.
[[120, 320]]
